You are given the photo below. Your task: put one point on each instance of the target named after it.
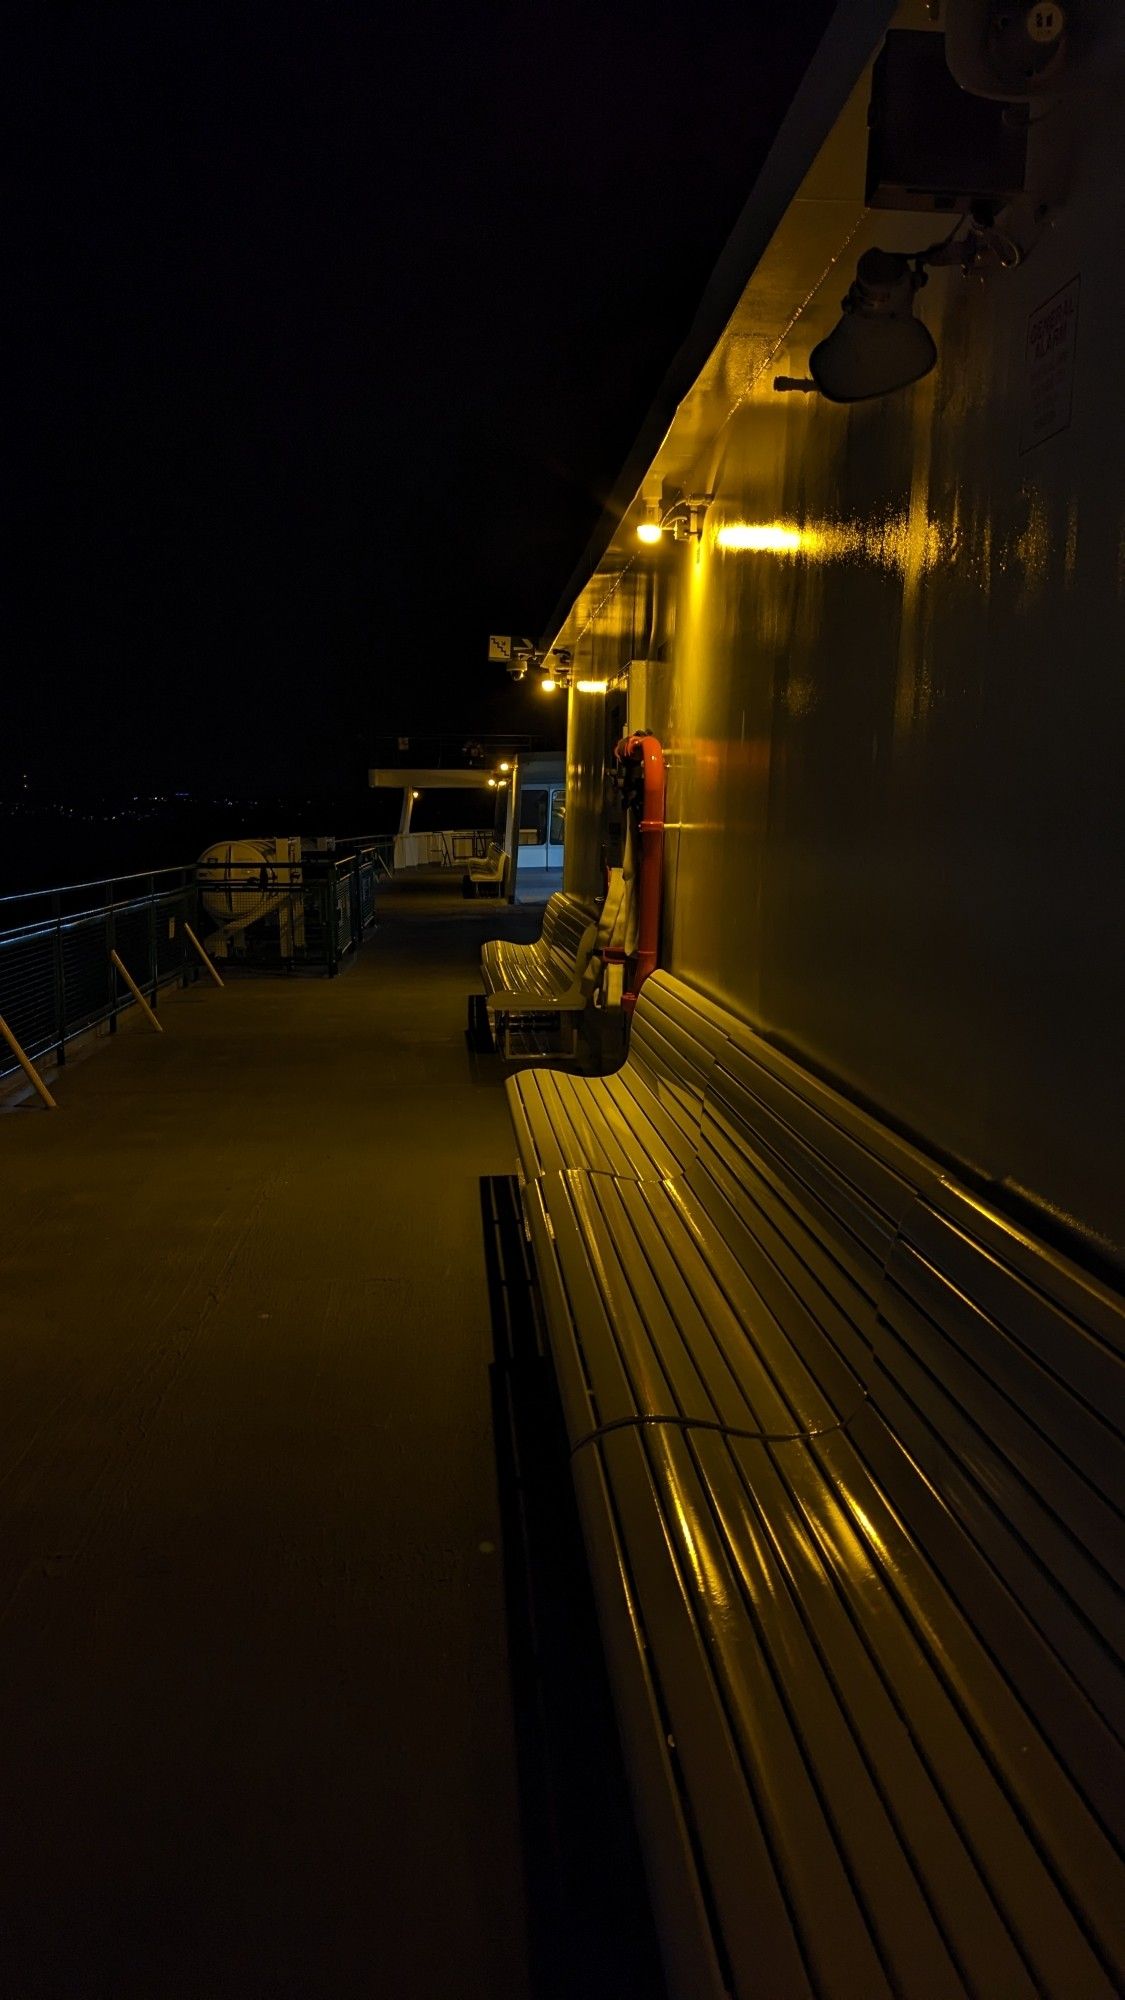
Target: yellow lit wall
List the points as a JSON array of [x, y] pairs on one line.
[[890, 686]]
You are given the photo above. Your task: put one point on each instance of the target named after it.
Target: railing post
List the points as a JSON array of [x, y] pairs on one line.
[[153, 959], [332, 918], [60, 982], [110, 948], [187, 911]]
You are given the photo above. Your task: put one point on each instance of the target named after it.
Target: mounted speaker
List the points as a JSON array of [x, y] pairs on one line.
[[931, 146]]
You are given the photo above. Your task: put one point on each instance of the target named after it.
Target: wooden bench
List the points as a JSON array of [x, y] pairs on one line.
[[847, 1447], [546, 981], [491, 873], [641, 1123]]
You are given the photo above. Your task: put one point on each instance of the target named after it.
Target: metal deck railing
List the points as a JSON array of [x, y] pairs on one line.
[[58, 978]]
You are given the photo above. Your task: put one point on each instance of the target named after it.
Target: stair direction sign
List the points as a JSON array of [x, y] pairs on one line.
[[499, 648]]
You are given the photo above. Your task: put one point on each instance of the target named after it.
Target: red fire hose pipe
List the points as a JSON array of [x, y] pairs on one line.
[[650, 886]]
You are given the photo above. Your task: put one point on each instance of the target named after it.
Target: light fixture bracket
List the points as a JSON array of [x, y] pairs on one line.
[[686, 516]]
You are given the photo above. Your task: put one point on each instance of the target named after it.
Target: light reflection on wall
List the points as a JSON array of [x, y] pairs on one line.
[[910, 544], [776, 536], [899, 542]]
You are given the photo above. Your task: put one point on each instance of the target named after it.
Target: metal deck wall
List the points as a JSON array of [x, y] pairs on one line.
[[895, 735]]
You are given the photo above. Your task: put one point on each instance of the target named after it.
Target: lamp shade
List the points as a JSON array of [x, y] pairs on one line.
[[877, 346]]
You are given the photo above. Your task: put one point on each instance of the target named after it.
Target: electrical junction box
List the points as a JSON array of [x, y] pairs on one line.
[[930, 145]]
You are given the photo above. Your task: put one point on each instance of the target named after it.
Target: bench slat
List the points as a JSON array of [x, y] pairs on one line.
[[701, 1340], [597, 1123], [832, 1202], [760, 1236], [742, 1877], [553, 964], [920, 1612], [899, 1855], [733, 1361], [848, 1446], [1012, 1465], [642, 1122], [678, 1880], [917, 1881], [1042, 1331], [1084, 1744]]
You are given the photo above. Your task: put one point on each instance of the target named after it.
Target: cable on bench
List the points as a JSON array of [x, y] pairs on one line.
[[716, 1424]]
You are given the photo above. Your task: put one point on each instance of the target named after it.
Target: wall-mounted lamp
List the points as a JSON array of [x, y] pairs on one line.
[[505, 767], [415, 795], [554, 678], [878, 345], [686, 517], [682, 520], [492, 784], [652, 527]]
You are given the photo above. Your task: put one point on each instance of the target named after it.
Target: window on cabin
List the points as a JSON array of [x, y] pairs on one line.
[[533, 817]]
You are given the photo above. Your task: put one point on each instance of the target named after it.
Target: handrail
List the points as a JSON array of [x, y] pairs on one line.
[[59, 946], [96, 882], [112, 878]]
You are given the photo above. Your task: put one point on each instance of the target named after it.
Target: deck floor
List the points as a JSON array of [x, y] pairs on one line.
[[255, 1699]]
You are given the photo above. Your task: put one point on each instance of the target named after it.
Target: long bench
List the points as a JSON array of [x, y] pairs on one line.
[[543, 979], [641, 1123], [847, 1447], [490, 873]]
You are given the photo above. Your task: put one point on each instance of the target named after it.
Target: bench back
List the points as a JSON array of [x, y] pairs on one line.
[[567, 922], [826, 1171], [494, 866], [1001, 1369], [675, 1040], [996, 1365]]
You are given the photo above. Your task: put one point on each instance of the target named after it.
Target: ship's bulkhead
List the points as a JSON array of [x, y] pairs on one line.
[[887, 676]]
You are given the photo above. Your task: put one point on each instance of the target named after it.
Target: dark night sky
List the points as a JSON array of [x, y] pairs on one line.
[[328, 330]]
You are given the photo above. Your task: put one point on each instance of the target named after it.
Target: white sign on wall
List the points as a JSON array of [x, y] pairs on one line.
[[1052, 338]]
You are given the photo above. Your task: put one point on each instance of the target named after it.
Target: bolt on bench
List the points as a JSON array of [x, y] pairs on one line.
[[847, 1447], [535, 986]]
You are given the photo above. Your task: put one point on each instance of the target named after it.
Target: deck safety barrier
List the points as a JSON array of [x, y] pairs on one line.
[[58, 978], [57, 975], [314, 912]]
